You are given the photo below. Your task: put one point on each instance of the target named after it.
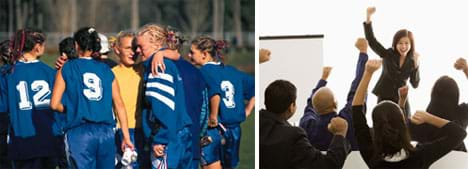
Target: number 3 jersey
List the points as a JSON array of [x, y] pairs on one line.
[[233, 86], [27, 89], [88, 93]]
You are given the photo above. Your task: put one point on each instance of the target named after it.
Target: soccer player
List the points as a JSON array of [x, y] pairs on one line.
[[129, 76], [165, 121], [196, 95], [28, 85], [4, 117], [227, 90], [89, 91]]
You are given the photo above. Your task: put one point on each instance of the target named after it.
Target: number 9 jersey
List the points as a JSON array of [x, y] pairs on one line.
[[233, 87], [88, 94]]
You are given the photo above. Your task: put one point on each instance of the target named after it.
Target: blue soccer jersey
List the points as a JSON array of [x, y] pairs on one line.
[[28, 91], [3, 91], [232, 86], [196, 101], [165, 94], [88, 94]]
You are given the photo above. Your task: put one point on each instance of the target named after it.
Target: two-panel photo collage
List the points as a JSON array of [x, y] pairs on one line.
[[233, 84]]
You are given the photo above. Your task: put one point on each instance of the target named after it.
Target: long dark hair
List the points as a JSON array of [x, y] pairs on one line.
[[390, 131], [213, 47], [444, 99], [401, 34], [88, 40]]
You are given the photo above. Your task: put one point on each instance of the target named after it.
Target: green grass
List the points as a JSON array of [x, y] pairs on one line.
[[247, 147]]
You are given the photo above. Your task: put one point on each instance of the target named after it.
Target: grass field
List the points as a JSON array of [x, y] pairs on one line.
[[244, 60], [247, 149]]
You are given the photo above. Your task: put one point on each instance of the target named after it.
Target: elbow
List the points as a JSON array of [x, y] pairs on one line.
[[54, 107]]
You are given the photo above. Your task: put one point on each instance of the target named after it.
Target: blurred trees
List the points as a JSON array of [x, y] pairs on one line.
[[212, 17]]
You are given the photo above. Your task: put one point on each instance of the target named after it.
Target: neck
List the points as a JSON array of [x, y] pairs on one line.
[[85, 54], [29, 57], [208, 60], [126, 65]]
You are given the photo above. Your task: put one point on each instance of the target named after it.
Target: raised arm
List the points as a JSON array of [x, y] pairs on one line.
[[371, 67], [369, 32], [361, 129], [403, 95], [361, 45], [321, 83], [452, 135], [264, 55], [461, 65], [306, 156], [158, 59]]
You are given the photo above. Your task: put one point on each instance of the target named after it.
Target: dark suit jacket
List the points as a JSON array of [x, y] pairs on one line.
[[286, 146], [393, 77]]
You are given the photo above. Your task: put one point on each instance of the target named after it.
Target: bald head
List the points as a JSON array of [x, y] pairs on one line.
[[324, 101]]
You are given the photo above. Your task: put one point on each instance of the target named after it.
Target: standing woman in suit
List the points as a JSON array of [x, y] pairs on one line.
[[400, 62]]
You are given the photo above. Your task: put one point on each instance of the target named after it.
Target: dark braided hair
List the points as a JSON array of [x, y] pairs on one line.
[[88, 40], [214, 48], [23, 41]]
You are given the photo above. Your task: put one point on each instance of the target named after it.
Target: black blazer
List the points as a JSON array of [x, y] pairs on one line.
[[286, 146], [392, 77]]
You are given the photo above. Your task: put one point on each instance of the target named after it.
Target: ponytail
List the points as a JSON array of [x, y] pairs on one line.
[[88, 40], [214, 48], [174, 39]]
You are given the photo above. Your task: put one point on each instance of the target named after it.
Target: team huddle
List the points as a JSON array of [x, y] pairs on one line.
[[152, 110]]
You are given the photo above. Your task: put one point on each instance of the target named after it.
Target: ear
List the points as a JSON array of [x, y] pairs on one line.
[[36, 47], [204, 54], [292, 108], [77, 47], [116, 50]]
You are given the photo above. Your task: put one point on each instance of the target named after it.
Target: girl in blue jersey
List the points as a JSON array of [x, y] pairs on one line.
[[89, 91], [227, 90], [26, 88], [4, 119], [165, 118]]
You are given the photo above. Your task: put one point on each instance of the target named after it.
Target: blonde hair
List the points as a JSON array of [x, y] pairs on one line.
[[123, 34], [159, 35]]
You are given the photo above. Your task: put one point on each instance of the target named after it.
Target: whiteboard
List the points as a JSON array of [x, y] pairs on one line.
[[298, 59]]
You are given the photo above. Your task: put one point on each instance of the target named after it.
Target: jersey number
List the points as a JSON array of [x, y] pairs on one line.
[[228, 89], [94, 87], [42, 90]]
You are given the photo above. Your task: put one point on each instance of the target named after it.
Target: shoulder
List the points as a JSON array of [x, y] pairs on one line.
[[46, 67]]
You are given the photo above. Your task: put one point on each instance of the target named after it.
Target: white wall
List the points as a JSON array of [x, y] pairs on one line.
[[440, 29], [299, 61]]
